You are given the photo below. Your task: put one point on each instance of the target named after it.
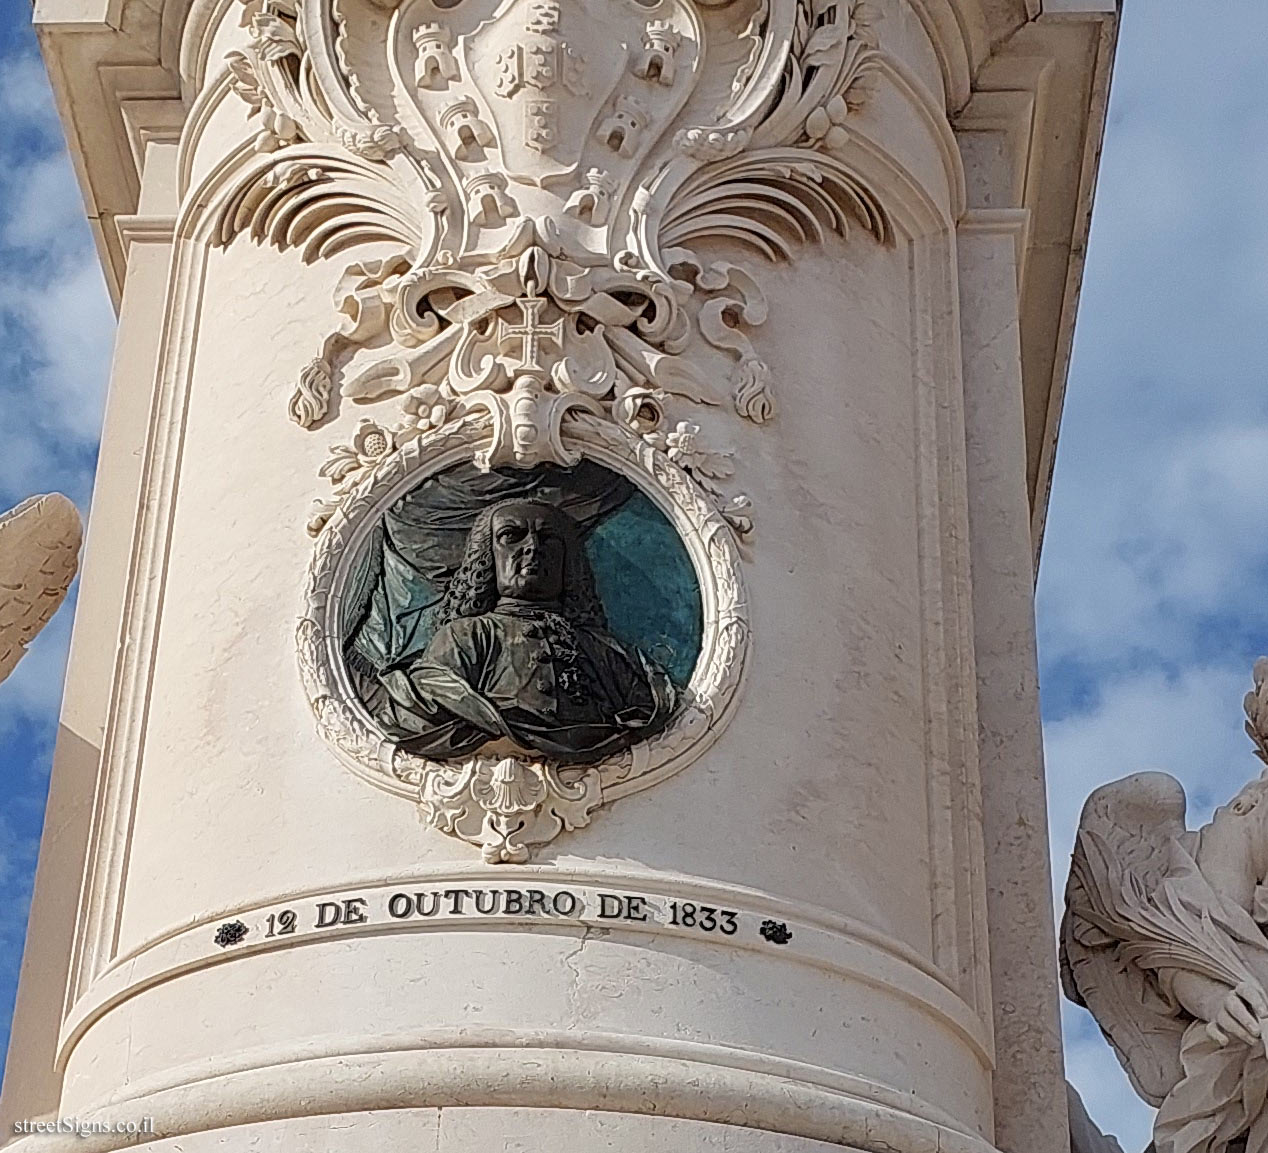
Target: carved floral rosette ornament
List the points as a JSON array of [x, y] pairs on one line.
[[544, 175]]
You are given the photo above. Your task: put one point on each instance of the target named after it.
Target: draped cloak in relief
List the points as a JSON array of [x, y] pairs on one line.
[[527, 673]]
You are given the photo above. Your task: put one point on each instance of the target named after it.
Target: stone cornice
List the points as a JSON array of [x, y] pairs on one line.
[[1044, 91]]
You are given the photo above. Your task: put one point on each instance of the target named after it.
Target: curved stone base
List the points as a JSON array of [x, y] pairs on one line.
[[474, 1090]]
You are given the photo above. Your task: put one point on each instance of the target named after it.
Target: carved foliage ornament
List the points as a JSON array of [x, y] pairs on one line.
[[565, 157], [546, 175]]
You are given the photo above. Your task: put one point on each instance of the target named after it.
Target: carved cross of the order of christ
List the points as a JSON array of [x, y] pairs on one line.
[[532, 334]]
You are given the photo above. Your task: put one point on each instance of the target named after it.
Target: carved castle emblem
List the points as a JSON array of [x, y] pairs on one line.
[[544, 347]]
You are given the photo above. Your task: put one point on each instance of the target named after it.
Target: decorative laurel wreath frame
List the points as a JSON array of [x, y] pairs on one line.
[[507, 805]]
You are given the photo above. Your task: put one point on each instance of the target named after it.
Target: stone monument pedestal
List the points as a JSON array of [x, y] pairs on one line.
[[578, 690]]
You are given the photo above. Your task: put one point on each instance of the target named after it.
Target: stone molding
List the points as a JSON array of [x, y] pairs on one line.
[[474, 1067], [820, 938], [959, 945], [522, 159], [144, 229], [152, 53], [917, 219], [596, 214]]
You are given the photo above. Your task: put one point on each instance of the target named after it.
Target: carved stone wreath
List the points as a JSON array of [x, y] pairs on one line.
[[506, 805]]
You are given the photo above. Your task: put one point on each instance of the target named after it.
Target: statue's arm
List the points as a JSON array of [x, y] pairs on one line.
[[1222, 851], [1223, 854], [1229, 1013]]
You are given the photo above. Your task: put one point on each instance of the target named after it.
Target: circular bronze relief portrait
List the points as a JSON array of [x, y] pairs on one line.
[[553, 611]]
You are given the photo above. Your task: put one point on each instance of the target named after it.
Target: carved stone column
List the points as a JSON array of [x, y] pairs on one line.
[[546, 706]]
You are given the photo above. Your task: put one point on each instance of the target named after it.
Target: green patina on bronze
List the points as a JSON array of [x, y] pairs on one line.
[[554, 608]]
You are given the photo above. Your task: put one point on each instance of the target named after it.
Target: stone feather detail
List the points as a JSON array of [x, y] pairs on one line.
[[39, 555]]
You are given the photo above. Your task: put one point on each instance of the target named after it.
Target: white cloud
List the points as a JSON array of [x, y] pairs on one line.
[[1166, 542], [45, 210], [55, 335], [1151, 592], [1189, 725], [70, 324], [25, 96], [56, 324], [20, 458]]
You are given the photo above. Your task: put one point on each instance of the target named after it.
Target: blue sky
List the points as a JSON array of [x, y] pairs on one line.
[[1151, 603], [56, 328]]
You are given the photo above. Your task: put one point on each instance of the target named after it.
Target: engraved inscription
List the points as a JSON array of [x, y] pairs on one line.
[[582, 907]]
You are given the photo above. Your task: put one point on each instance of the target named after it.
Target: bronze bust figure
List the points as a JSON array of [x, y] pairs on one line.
[[523, 652]]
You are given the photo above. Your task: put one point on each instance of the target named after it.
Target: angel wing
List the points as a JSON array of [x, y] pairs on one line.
[[1127, 835], [39, 555]]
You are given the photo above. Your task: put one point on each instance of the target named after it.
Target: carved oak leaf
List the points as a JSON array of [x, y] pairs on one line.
[[243, 80], [39, 555], [823, 42], [378, 143]]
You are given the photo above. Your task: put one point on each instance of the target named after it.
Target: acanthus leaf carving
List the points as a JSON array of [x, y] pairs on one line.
[[491, 342], [768, 173], [507, 805]]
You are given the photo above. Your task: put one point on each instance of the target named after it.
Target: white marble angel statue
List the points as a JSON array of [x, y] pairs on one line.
[[39, 553], [1163, 941]]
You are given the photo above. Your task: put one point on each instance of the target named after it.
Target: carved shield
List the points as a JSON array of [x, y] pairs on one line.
[[545, 69]]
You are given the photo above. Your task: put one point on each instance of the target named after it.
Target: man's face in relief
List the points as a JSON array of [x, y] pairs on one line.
[[529, 550]]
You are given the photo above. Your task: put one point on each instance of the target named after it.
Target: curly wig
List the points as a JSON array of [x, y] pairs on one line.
[[473, 590]]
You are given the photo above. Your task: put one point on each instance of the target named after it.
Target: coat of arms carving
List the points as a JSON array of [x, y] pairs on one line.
[[538, 72]]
